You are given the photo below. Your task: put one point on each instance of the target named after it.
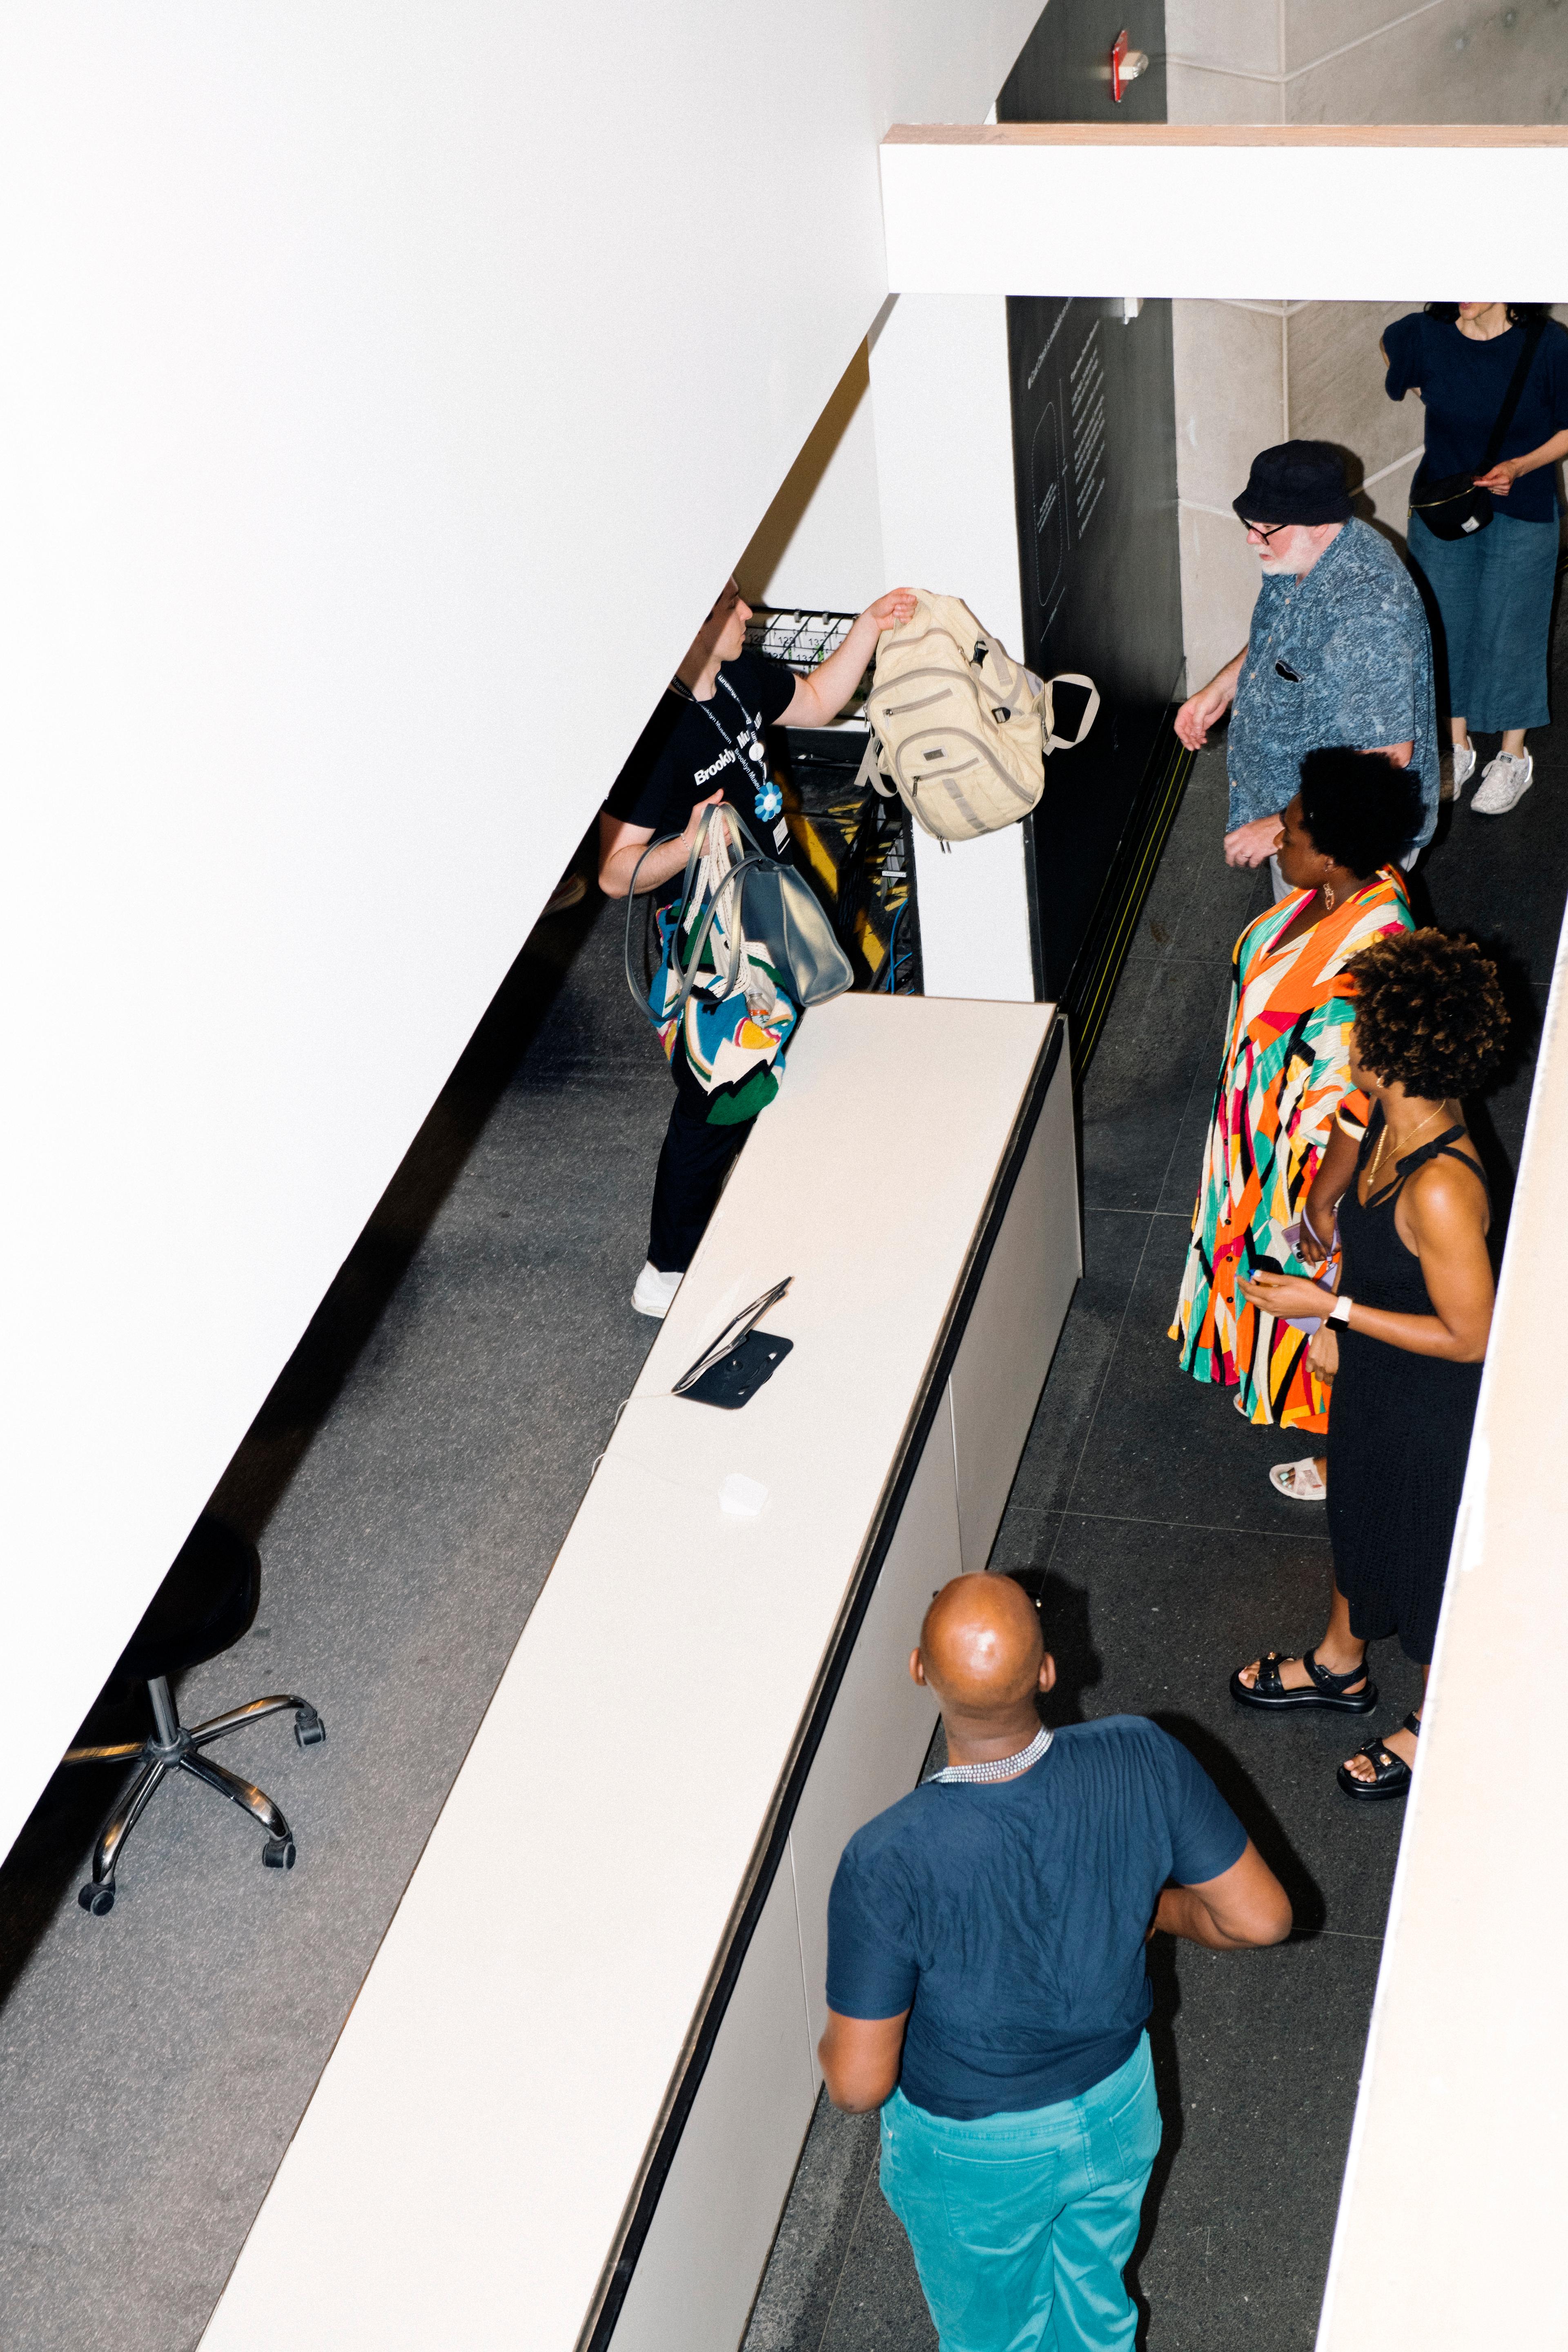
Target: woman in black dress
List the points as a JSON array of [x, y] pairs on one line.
[[1405, 1338]]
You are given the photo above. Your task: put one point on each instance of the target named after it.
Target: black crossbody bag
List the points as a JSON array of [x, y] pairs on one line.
[[1454, 508]]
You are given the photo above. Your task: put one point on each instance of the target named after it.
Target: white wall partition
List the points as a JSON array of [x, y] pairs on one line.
[[472, 2167], [908, 476], [1159, 208], [387, 391], [944, 468], [819, 546], [1451, 2209]]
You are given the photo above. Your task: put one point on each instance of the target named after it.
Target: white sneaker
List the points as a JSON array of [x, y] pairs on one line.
[[1504, 783], [655, 1291], [1457, 768]]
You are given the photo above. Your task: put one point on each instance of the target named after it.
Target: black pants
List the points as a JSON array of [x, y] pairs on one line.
[[692, 1166]]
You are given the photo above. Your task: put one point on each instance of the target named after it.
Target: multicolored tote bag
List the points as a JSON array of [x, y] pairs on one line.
[[741, 952]]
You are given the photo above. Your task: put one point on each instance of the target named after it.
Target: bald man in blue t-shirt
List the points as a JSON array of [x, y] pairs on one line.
[[988, 1988]]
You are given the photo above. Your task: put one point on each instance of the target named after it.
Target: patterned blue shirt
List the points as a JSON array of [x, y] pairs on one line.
[[1342, 656]]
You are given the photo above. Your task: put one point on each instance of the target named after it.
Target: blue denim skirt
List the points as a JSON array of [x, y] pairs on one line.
[[1489, 599]]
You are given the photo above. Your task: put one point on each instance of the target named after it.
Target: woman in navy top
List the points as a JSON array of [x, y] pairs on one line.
[[1491, 590]]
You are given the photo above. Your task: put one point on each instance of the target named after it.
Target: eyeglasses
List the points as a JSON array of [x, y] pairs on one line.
[[1256, 531]]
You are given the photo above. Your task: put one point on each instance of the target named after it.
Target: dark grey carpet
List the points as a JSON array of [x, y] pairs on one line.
[[409, 1483], [1142, 1515]]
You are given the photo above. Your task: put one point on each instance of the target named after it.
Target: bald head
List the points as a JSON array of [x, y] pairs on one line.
[[981, 1646]]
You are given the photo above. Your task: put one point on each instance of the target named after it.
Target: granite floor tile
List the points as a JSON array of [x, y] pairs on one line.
[[797, 2295], [879, 2306], [1197, 904], [1165, 1614], [1164, 1446], [1113, 1247], [1136, 1094], [1024, 1541], [1256, 2056]]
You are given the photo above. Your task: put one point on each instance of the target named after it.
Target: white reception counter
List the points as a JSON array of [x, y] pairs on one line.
[[567, 2105]]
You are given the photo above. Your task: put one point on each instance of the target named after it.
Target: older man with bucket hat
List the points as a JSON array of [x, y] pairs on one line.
[[1339, 652]]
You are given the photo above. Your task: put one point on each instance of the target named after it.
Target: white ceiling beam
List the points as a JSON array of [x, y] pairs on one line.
[[1311, 211]]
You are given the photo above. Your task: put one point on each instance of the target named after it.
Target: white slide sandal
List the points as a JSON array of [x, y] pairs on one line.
[[1299, 1481]]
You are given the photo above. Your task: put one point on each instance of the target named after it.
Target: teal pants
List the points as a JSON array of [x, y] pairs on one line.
[[1022, 2224]]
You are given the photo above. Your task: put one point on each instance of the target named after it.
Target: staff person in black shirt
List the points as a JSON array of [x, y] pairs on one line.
[[704, 744]]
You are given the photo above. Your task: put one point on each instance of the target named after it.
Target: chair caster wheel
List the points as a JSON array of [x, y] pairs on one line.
[[99, 1900], [278, 1853], [308, 1728]]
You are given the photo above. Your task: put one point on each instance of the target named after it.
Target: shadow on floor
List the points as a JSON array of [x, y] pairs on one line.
[[1064, 1618]]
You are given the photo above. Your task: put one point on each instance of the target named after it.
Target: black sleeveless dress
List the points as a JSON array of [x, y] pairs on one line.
[[1399, 1428]]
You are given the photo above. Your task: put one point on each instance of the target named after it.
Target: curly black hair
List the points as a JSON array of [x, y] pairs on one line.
[[1429, 1015], [1518, 312], [1358, 808]]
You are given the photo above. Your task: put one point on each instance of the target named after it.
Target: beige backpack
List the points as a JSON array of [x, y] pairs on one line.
[[960, 729]]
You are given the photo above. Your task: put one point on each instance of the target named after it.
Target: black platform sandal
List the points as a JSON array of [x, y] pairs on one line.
[[1324, 1689], [1392, 1775]]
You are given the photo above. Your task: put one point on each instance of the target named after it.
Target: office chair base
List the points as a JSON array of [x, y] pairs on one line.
[[173, 1748]]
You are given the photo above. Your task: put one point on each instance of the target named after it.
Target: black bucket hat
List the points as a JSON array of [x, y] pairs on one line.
[[1295, 481]]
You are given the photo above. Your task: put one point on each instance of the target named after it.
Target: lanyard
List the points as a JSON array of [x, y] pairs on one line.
[[754, 724]]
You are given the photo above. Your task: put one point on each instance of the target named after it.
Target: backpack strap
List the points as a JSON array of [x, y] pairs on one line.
[[1054, 742], [869, 772]]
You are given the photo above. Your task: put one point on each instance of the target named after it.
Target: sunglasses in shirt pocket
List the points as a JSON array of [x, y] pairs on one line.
[[1291, 677]]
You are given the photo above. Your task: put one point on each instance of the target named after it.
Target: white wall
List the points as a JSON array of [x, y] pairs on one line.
[[907, 477], [818, 548], [386, 391], [1450, 2217], [943, 414]]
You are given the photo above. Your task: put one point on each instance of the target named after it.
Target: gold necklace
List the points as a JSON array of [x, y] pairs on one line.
[[1386, 1137]]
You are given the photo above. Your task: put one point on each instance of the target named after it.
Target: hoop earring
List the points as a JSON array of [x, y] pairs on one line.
[[1328, 897]]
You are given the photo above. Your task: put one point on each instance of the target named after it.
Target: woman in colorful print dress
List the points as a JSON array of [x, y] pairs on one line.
[[1284, 1079]]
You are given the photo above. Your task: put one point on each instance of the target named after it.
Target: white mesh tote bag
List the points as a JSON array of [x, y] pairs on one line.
[[961, 731]]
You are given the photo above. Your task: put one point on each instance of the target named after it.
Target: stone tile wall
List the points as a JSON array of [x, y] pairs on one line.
[[1249, 375], [1366, 61]]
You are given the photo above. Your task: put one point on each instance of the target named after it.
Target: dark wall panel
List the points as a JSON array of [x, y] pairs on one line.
[[1062, 73], [1095, 465], [1095, 461]]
